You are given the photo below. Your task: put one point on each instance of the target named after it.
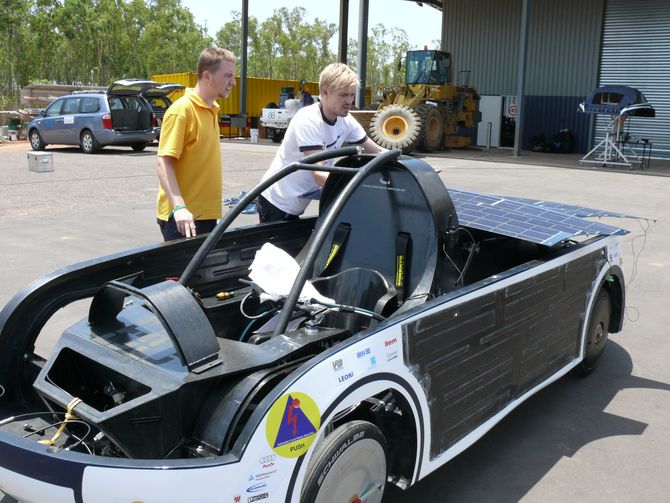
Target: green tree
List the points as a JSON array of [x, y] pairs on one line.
[[284, 46], [386, 47]]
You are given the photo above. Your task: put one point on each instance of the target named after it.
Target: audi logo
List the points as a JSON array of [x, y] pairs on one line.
[[267, 459]]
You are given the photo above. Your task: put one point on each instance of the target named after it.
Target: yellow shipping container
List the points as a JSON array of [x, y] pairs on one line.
[[260, 92]]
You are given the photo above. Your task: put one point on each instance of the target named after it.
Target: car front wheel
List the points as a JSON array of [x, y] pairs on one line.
[[88, 142], [138, 147], [349, 465], [36, 142]]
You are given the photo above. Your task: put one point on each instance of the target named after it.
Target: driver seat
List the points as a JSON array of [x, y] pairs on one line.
[[359, 287]]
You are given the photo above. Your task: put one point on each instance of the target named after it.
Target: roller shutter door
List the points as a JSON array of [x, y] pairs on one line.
[[636, 52]]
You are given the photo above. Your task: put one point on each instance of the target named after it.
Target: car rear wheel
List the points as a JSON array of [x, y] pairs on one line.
[[138, 147], [596, 335], [88, 143], [348, 466], [36, 142]]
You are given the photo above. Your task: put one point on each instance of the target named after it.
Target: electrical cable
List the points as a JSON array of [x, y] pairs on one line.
[[343, 308], [249, 316], [243, 336]]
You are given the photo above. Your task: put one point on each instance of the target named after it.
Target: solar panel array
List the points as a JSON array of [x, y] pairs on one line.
[[569, 209], [541, 223]]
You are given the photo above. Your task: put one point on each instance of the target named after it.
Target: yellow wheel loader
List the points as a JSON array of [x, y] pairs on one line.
[[427, 112]]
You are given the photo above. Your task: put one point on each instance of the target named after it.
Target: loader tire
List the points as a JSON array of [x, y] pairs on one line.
[[432, 128], [396, 126]]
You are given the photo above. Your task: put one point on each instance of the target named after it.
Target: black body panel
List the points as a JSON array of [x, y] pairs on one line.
[[478, 356]]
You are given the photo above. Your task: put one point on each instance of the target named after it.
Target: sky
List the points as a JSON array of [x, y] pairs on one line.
[[422, 24]]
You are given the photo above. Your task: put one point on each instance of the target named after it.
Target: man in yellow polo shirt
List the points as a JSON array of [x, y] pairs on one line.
[[189, 155]]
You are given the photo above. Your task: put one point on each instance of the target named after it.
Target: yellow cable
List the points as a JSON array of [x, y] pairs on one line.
[[69, 415]]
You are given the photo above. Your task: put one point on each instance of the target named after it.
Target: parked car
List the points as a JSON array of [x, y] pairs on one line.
[[92, 120], [429, 315]]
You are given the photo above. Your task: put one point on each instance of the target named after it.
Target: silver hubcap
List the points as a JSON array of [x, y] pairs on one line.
[[358, 475], [87, 141], [34, 140]]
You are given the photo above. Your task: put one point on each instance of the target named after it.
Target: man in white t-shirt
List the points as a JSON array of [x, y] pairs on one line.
[[321, 126]]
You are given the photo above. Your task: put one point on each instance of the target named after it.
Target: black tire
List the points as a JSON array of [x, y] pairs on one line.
[[36, 142], [432, 128], [87, 142], [596, 334], [396, 126], [334, 471], [138, 147]]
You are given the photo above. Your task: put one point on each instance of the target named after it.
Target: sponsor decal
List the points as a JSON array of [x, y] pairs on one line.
[[237, 499], [391, 346], [338, 365], [257, 487], [385, 181], [383, 187], [264, 475], [368, 356], [363, 353], [269, 459], [292, 423], [257, 497], [345, 377]]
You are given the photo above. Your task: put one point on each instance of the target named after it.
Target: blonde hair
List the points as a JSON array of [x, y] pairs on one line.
[[211, 57], [338, 76]]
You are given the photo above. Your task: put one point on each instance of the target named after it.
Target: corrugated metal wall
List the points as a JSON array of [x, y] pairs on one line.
[[636, 53], [562, 59], [483, 37], [563, 44]]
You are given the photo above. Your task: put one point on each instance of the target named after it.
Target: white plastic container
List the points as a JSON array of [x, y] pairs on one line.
[[253, 133], [40, 162], [13, 135]]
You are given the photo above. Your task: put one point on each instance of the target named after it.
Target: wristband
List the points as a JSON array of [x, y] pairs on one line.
[[177, 208]]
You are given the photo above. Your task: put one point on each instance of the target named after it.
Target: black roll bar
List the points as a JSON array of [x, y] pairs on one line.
[[321, 233], [307, 164]]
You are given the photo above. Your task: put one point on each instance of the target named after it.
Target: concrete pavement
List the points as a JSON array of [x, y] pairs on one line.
[[601, 439]]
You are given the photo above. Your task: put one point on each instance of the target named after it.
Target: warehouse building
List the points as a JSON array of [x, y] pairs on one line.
[[573, 46]]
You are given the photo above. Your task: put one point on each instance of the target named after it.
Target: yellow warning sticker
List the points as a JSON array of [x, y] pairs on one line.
[[292, 424]]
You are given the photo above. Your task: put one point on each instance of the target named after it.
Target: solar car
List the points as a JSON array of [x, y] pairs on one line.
[[366, 346]]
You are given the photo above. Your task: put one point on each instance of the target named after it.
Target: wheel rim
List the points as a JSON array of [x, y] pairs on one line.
[[358, 475], [87, 141], [395, 126], [34, 140], [599, 333]]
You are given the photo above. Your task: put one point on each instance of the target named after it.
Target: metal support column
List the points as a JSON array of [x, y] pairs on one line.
[[343, 33], [521, 78], [362, 64], [243, 57], [443, 35]]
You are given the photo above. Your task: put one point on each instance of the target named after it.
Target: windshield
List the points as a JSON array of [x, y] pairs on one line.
[[427, 67]]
